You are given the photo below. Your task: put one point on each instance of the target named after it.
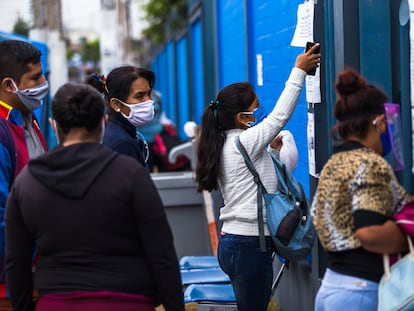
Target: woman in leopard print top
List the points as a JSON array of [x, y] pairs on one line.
[[356, 198]]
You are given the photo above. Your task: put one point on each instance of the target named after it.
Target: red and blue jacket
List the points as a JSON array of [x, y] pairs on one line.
[[14, 155]]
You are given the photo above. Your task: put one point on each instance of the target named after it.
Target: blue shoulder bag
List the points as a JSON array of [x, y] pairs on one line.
[[287, 212], [396, 288]]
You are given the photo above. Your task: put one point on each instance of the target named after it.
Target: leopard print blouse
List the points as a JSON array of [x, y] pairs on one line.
[[350, 181]]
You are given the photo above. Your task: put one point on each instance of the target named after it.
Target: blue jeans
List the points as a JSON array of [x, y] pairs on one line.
[[249, 269], [342, 292]]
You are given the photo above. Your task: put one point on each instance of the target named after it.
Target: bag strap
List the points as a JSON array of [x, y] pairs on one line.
[[281, 175], [386, 258], [303, 204], [285, 183], [260, 192]]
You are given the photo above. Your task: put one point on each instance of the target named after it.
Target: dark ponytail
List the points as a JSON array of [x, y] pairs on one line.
[[217, 118], [209, 148]]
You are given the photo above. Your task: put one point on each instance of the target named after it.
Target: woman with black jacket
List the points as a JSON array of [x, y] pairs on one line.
[[127, 91], [96, 219]]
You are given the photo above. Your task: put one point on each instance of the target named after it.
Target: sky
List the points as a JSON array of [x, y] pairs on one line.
[[76, 14], [10, 10], [81, 15]]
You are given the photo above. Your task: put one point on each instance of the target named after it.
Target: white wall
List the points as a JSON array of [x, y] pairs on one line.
[[57, 57]]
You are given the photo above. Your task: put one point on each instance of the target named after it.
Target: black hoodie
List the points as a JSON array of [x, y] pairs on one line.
[[98, 223]]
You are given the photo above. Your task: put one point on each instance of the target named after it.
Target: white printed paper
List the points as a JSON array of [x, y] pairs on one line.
[[304, 25], [313, 89], [311, 145]]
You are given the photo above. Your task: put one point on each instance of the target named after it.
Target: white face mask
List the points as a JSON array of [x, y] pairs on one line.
[[141, 113], [32, 98]]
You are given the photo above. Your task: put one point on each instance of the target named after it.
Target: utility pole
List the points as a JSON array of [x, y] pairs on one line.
[[109, 38], [115, 40], [47, 27]]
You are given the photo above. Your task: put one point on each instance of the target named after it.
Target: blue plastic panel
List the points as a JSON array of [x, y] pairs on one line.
[[231, 37], [197, 71], [203, 276], [375, 43], [183, 103], [159, 67], [198, 262], [271, 25], [170, 67], [209, 292]]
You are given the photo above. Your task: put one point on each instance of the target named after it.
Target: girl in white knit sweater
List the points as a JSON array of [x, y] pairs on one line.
[[220, 165]]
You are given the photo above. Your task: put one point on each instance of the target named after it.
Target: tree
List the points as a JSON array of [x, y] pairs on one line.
[[21, 27], [90, 51], [164, 17]]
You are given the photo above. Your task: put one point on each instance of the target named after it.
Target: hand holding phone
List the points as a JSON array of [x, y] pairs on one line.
[[317, 51]]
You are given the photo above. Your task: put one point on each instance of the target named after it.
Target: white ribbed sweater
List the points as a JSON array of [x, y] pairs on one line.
[[239, 213]]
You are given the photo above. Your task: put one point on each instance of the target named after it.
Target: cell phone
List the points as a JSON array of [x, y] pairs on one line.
[[308, 46]]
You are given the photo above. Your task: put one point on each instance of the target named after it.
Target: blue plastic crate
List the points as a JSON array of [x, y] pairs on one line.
[[199, 262], [203, 276], [209, 293], [219, 306]]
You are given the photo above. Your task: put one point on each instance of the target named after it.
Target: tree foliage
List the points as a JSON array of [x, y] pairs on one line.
[[21, 27], [164, 17], [90, 51]]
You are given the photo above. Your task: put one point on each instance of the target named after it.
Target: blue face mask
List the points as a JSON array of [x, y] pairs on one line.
[[385, 139], [259, 114], [386, 143]]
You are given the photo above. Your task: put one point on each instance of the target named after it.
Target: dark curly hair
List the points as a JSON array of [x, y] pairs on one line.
[[77, 105], [358, 102]]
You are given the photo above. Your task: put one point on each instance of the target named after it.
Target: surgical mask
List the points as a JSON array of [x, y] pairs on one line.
[[140, 113], [386, 143], [32, 98], [385, 139], [259, 114]]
